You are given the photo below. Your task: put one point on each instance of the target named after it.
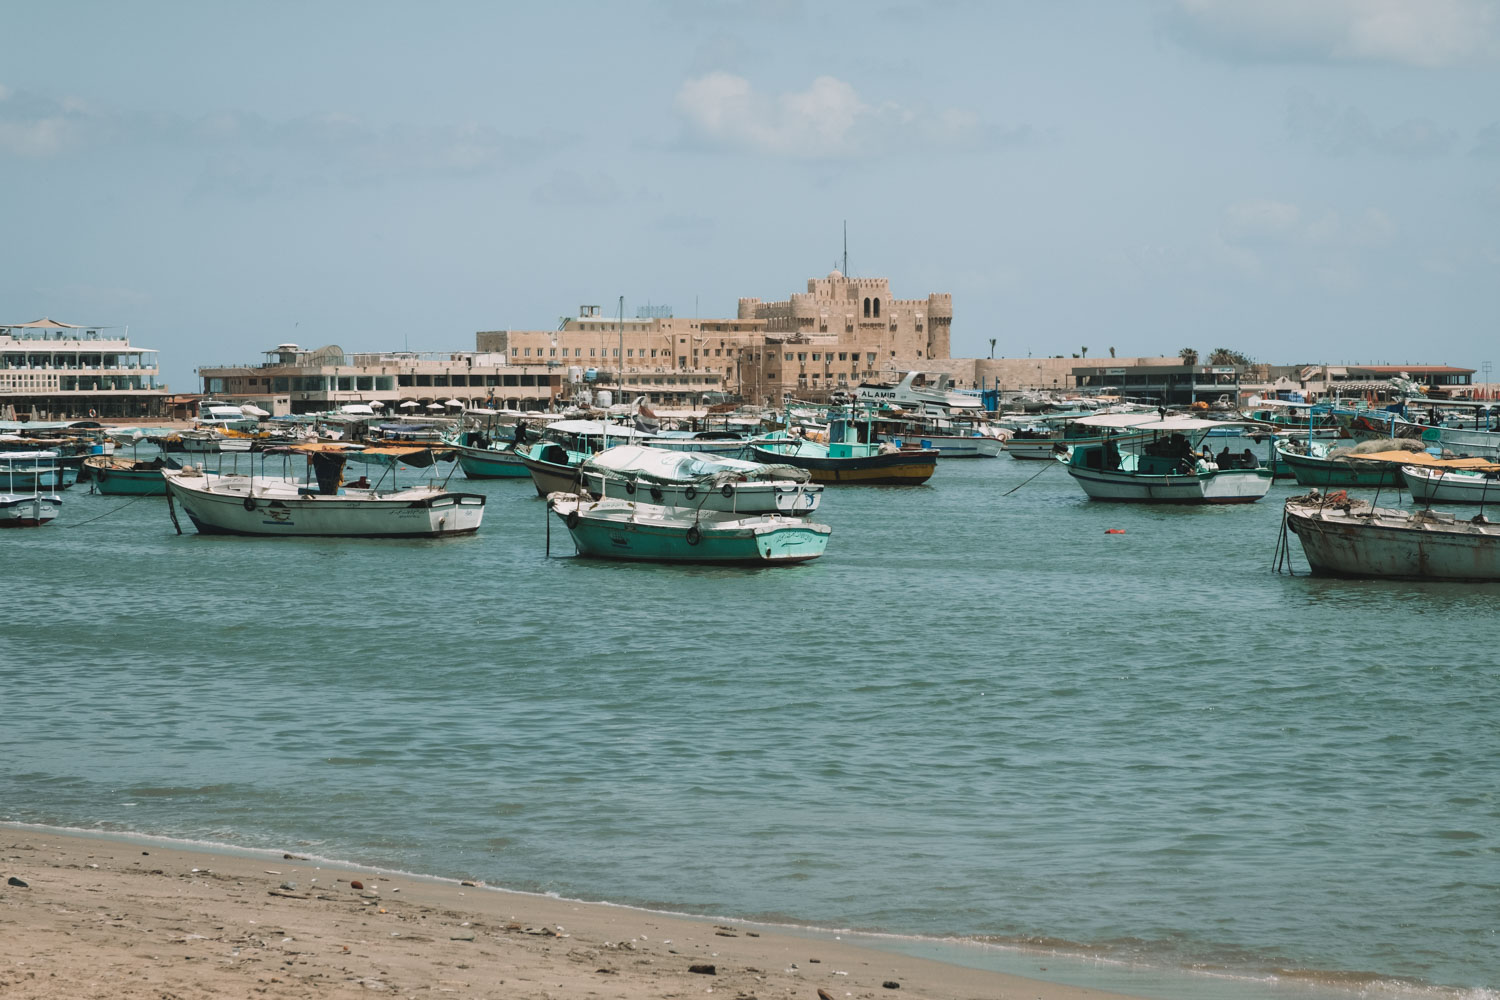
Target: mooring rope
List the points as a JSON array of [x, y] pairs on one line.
[[1008, 492], [106, 513]]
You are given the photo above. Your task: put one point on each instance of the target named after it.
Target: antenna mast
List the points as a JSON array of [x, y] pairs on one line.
[[846, 248]]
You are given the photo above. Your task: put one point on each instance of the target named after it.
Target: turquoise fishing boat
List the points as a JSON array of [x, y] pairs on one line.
[[124, 477], [611, 528], [1317, 463]]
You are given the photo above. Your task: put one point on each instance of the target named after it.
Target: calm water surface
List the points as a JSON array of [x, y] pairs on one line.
[[978, 716]]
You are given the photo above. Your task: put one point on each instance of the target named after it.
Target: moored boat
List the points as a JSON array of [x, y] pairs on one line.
[[272, 506], [26, 506], [1321, 464], [128, 477], [1352, 540], [1162, 463], [612, 528], [851, 454], [700, 481]]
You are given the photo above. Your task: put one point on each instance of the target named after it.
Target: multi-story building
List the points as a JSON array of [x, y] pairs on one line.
[[839, 331], [294, 380], [58, 371]]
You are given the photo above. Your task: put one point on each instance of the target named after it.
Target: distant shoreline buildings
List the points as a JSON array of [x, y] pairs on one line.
[[839, 332], [51, 370]]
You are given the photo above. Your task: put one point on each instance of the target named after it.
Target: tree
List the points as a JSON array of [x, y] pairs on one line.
[[1188, 355], [1085, 352], [1224, 356], [992, 347], [1111, 352]]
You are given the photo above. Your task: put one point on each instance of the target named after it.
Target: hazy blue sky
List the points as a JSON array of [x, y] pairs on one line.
[[1301, 180]]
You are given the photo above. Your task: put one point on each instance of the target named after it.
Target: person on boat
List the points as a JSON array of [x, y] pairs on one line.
[[520, 438], [1224, 459], [1111, 453], [1247, 457]]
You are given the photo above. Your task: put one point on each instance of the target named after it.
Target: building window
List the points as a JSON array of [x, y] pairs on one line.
[[815, 356], [867, 308], [877, 308], [789, 355], [843, 355], [801, 355], [528, 352], [554, 353]]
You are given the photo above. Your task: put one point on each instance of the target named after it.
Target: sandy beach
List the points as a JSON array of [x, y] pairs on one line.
[[99, 917]]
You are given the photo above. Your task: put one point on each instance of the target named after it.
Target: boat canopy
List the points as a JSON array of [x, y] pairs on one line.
[[1426, 460], [663, 465], [1154, 422], [595, 428]]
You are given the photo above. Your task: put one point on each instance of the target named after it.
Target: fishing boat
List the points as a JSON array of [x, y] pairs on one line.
[[1451, 484], [25, 505], [1341, 537], [219, 504], [849, 451], [612, 528], [1049, 437], [553, 461], [1162, 463], [700, 481], [128, 477], [1322, 464], [29, 471]]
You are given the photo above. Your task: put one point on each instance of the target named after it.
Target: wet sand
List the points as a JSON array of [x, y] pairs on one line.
[[101, 917]]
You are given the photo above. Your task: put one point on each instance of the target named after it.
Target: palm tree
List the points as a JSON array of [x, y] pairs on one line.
[[992, 348], [1188, 355], [1085, 352], [1111, 352]]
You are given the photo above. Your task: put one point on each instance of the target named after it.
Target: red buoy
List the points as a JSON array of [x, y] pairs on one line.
[[1114, 531]]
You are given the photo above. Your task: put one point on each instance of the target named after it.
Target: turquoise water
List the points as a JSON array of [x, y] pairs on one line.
[[978, 716]]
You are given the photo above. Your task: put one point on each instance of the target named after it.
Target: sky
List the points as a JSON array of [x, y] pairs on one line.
[[1302, 181]]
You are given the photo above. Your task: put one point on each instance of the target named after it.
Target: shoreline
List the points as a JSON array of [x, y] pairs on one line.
[[106, 915]]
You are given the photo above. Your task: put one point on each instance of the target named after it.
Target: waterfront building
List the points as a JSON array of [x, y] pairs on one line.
[[60, 371]]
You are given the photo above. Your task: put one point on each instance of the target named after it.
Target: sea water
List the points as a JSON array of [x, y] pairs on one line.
[[980, 717]]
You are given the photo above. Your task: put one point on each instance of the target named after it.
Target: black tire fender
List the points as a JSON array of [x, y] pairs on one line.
[[630, 486], [689, 492], [656, 494], [249, 503], [571, 519], [694, 536], [727, 490]]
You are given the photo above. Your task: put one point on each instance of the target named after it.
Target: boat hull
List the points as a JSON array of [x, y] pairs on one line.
[[1212, 487], [1395, 544], [613, 529], [28, 512], [1311, 470], [959, 446], [115, 478], [1432, 485], [243, 507], [897, 468], [743, 498], [490, 463]]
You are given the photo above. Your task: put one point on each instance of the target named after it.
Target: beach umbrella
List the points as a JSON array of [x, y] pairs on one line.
[[434, 406], [454, 402], [408, 404], [376, 404]]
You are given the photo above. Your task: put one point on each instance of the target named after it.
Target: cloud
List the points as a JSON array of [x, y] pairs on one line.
[[341, 146], [569, 189], [1348, 131], [828, 120], [1427, 34], [1268, 224], [1487, 142]]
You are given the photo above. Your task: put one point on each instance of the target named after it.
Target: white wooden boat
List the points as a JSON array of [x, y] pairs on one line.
[[700, 481], [1357, 541], [1163, 461], [1452, 485], [25, 505], [275, 506], [625, 529]]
